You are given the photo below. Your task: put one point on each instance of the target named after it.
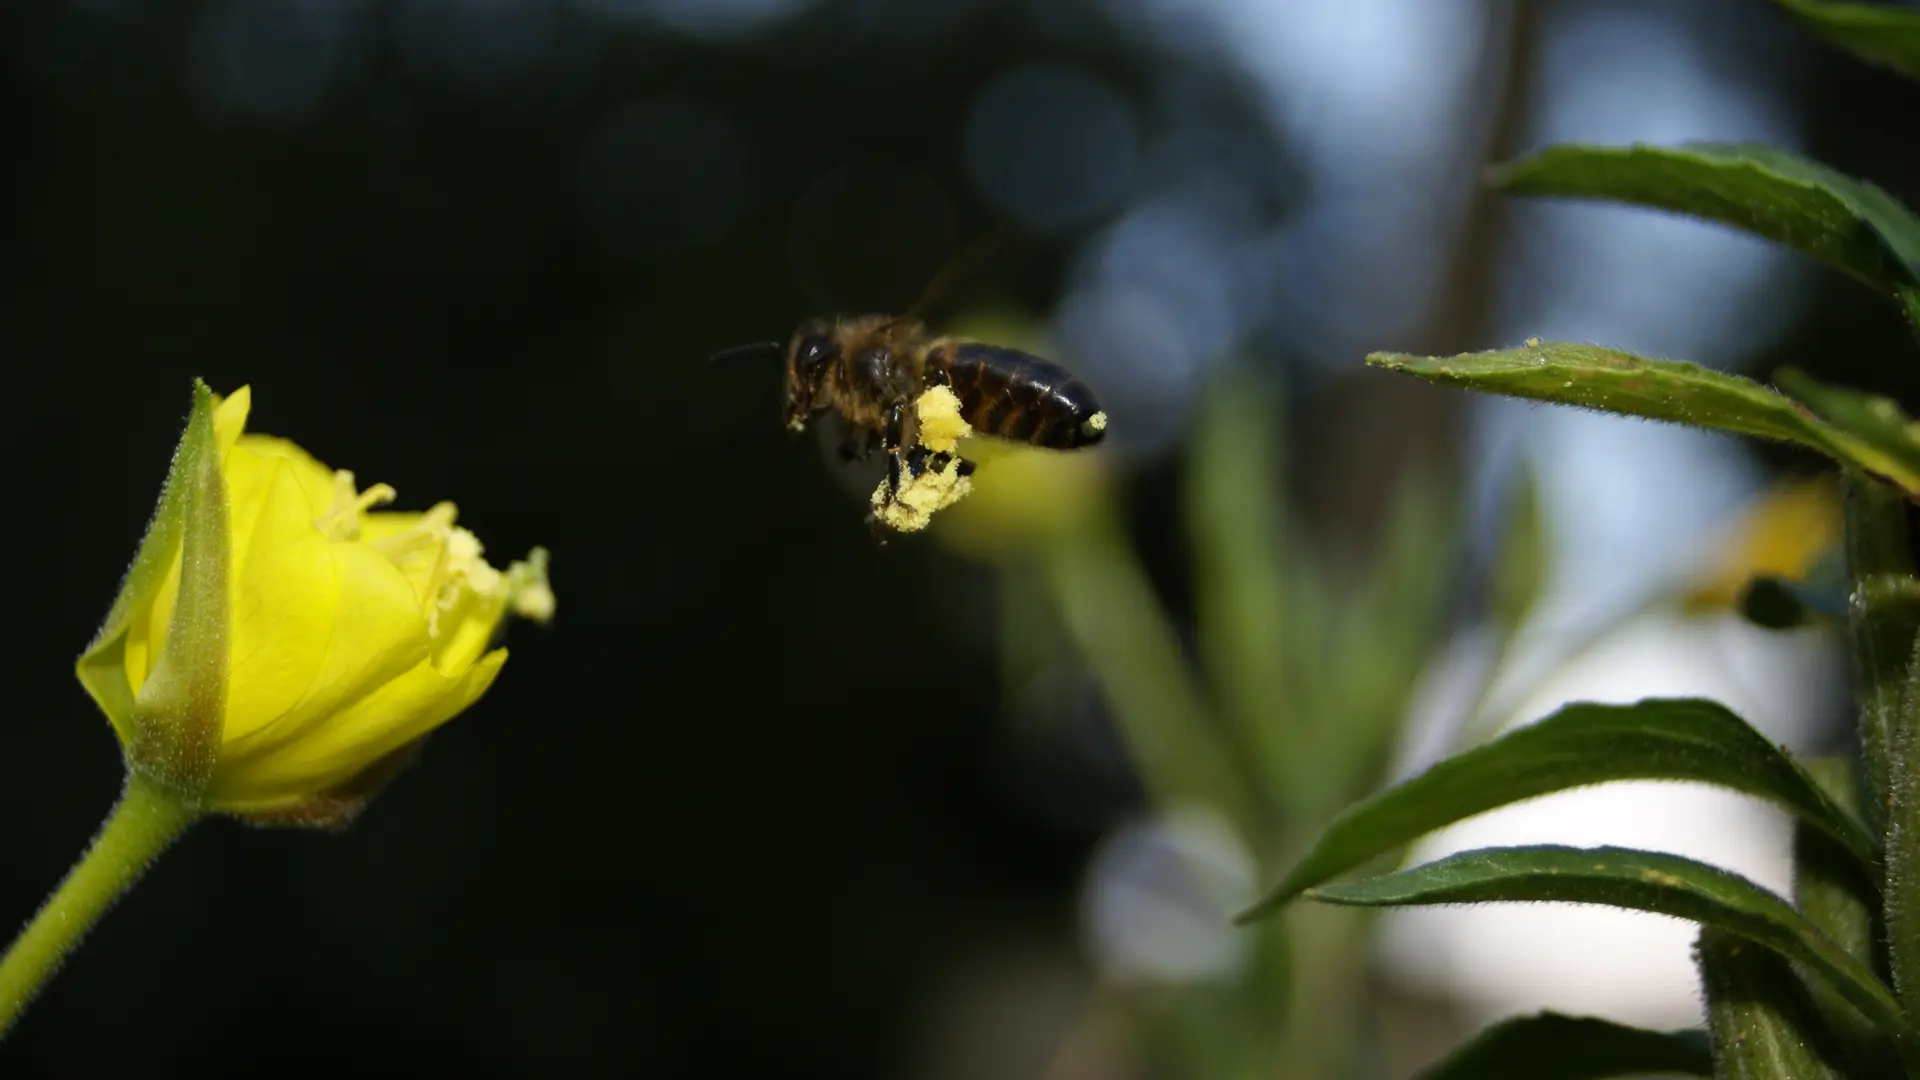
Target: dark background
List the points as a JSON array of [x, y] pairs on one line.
[[755, 794]]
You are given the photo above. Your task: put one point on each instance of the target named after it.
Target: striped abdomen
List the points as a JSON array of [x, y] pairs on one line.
[[1018, 396]]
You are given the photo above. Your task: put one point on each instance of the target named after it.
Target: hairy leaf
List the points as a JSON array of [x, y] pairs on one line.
[[1584, 743], [1550, 1046], [1849, 224], [1672, 390], [1883, 34], [1642, 881]]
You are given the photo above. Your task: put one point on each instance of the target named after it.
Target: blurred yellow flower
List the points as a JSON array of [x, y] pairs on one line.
[[1782, 535], [322, 638]]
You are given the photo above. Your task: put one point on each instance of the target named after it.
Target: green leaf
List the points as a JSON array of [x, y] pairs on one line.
[[1763, 1023], [1830, 887], [1672, 390], [1550, 1046], [1872, 419], [1641, 881], [1840, 896], [1849, 224], [1878, 33], [1583, 743]]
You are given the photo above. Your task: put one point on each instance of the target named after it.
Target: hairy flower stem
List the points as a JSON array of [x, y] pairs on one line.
[[146, 820]]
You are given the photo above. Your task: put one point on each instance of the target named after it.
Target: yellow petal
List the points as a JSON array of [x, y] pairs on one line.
[[314, 478], [382, 524], [334, 751], [316, 621], [230, 417]]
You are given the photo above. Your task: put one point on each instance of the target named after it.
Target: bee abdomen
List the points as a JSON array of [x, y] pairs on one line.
[[1018, 396]]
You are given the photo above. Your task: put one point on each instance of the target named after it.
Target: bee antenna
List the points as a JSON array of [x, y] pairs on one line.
[[748, 349]]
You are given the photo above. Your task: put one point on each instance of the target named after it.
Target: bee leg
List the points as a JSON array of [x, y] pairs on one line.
[[896, 432], [895, 463], [918, 459], [890, 440], [940, 461], [963, 466]]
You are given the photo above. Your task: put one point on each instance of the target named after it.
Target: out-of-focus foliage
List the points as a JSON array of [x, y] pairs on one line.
[[1832, 987], [1301, 669]]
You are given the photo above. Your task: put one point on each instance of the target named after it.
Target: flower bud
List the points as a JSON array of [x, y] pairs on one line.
[[280, 647]]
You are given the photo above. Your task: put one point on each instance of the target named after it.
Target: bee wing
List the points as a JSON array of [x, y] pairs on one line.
[[967, 261]]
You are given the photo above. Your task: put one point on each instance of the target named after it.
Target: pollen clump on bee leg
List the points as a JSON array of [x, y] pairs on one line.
[[941, 427]]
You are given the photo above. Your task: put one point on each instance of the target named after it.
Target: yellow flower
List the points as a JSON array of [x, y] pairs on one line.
[[279, 646]]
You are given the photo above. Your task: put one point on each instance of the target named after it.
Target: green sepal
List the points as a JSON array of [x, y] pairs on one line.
[[170, 730]]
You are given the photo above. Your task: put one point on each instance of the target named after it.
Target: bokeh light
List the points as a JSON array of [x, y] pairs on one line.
[[1051, 146]]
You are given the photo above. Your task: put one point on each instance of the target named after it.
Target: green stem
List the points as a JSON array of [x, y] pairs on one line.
[[141, 825], [1903, 842]]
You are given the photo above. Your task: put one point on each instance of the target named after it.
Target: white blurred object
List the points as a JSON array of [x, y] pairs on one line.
[[1502, 959], [1160, 898]]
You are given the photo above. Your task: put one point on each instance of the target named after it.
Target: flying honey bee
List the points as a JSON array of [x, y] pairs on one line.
[[868, 371]]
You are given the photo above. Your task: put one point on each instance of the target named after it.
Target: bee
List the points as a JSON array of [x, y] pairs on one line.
[[869, 370]]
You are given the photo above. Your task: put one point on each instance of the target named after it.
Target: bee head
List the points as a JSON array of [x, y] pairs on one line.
[[809, 354]]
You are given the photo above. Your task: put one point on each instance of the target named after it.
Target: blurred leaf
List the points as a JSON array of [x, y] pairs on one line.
[[1520, 569], [1888, 36], [1850, 224], [1109, 608], [1549, 1046], [1619, 382], [1583, 743], [1640, 881], [1235, 499], [1762, 1022], [1839, 896], [1379, 638], [1883, 616]]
